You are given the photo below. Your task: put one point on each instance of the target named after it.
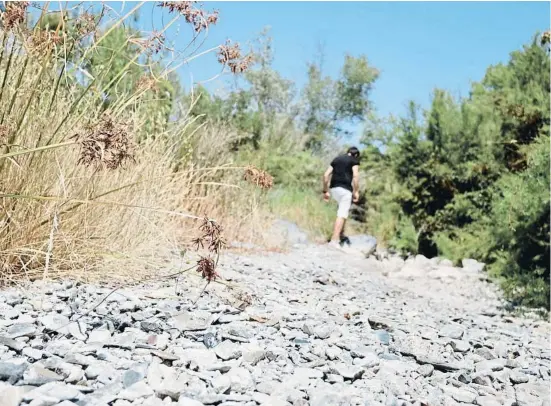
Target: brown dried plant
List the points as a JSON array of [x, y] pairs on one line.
[[546, 38], [42, 41], [147, 82], [200, 19], [258, 177], [15, 14], [107, 144], [152, 45], [230, 54], [207, 268], [211, 237], [85, 24], [4, 133]]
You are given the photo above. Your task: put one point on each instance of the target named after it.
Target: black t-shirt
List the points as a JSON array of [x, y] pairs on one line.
[[342, 171]]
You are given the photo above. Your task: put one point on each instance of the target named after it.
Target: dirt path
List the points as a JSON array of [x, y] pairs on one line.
[[312, 327]]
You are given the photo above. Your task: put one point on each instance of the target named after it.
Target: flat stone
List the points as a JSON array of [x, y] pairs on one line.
[[490, 365], [99, 336], [425, 370], [201, 357], [460, 346], [21, 330], [12, 370], [452, 331], [185, 401], [227, 350], [193, 321], [241, 380], [57, 323], [488, 401], [461, 395], [518, 377], [12, 344], [37, 376], [346, 371], [165, 356], [136, 391]]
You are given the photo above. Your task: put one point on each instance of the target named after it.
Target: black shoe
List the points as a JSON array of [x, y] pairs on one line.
[[345, 240]]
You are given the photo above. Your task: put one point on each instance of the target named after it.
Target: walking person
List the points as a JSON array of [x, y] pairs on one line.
[[341, 181]]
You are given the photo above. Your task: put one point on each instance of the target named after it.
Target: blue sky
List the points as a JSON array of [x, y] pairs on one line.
[[417, 46]]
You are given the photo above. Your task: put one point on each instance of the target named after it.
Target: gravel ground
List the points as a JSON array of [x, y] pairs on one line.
[[314, 326]]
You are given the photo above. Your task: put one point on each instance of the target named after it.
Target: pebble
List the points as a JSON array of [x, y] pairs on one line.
[[322, 331]]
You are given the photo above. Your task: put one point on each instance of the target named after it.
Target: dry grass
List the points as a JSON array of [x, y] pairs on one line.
[[83, 190]]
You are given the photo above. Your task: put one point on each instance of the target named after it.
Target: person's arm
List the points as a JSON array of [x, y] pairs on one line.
[[326, 180], [355, 183]]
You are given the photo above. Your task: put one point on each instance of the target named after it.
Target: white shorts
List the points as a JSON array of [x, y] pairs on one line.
[[344, 199]]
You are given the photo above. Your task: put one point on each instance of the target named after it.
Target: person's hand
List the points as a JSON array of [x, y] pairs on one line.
[[326, 196], [356, 197]]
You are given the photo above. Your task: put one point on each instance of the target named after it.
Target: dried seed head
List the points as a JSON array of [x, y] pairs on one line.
[[106, 144], [211, 235], [147, 82], [230, 54], [258, 177], [42, 41], [207, 268], [15, 14], [152, 45], [546, 38], [85, 24], [194, 16], [4, 133]]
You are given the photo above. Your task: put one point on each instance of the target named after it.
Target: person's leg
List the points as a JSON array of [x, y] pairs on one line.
[[337, 229], [344, 199]]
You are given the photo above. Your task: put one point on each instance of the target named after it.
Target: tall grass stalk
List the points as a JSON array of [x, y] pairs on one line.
[[108, 220]]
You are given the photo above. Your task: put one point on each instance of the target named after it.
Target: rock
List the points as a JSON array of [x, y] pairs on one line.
[[452, 331], [185, 401], [323, 332], [12, 370], [37, 376], [485, 353], [227, 350], [241, 380], [210, 340], [377, 322], [11, 343], [460, 395], [202, 358], [99, 337], [32, 353], [193, 321], [76, 331], [54, 390], [439, 364], [425, 370], [460, 346], [488, 400], [11, 395], [165, 356], [365, 244], [57, 323], [136, 391], [518, 377], [490, 365], [221, 384], [347, 372], [472, 265], [21, 330], [253, 355], [131, 377]]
